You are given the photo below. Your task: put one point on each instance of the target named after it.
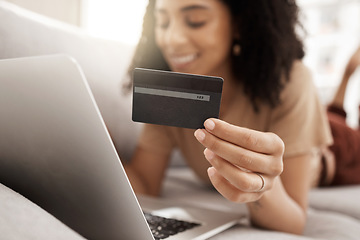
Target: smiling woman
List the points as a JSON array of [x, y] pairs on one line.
[[268, 99], [119, 20], [206, 56]]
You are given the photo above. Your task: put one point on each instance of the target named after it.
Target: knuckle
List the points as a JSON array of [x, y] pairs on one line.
[[249, 139], [281, 146], [277, 165], [278, 144], [277, 168], [247, 161], [281, 167]]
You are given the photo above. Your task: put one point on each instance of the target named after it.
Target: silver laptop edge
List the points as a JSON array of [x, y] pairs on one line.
[[84, 193]]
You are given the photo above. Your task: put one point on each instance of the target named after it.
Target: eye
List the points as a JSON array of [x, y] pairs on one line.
[[196, 19], [163, 25], [195, 24]]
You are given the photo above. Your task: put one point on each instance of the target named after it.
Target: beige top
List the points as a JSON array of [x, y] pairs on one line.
[[299, 120]]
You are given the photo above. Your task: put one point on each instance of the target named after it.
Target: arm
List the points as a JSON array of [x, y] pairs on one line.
[[351, 66], [229, 147], [146, 171], [283, 208], [353, 63]]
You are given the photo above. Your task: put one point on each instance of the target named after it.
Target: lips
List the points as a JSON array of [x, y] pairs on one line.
[[182, 61]]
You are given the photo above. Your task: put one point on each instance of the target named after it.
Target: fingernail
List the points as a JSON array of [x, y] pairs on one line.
[[208, 154], [200, 135], [211, 171], [209, 124]]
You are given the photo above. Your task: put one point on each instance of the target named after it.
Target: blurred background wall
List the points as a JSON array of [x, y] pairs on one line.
[[333, 34], [68, 11]]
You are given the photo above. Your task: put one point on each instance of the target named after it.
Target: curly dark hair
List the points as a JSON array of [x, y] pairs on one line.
[[269, 46]]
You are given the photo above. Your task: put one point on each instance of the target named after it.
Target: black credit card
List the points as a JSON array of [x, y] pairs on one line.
[[175, 99]]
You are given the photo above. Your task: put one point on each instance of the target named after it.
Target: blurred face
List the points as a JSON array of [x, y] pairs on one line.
[[195, 36]]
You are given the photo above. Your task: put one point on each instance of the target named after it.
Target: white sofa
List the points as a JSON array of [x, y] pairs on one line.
[[334, 213]]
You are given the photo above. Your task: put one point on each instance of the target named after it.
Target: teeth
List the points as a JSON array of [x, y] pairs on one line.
[[184, 59]]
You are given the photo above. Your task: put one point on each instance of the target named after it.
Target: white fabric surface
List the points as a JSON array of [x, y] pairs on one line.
[[22, 219], [336, 218]]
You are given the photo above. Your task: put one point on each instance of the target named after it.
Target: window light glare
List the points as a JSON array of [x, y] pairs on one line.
[[119, 20]]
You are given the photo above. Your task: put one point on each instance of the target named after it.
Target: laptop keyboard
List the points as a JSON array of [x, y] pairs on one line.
[[163, 228]]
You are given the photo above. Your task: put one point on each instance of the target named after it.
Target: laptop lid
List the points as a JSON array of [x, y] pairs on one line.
[[52, 154]]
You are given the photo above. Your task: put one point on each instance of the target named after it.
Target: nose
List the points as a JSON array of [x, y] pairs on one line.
[[175, 35]]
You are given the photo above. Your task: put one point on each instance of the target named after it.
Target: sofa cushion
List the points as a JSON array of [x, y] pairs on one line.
[[344, 200], [329, 214], [331, 225], [22, 219]]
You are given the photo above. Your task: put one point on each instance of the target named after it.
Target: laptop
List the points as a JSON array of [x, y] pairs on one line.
[[56, 151]]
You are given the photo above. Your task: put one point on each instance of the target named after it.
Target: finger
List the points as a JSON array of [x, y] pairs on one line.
[[241, 157], [227, 190], [242, 180], [267, 143]]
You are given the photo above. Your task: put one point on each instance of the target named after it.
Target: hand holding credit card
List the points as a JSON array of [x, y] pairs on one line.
[[175, 99]]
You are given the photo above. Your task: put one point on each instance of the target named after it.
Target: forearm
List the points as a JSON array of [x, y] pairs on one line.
[[339, 96], [137, 183], [353, 63], [146, 171], [276, 210]]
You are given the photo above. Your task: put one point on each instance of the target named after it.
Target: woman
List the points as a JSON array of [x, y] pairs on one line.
[[271, 120]]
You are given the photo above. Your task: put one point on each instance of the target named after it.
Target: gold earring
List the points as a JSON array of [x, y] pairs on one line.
[[236, 49]]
